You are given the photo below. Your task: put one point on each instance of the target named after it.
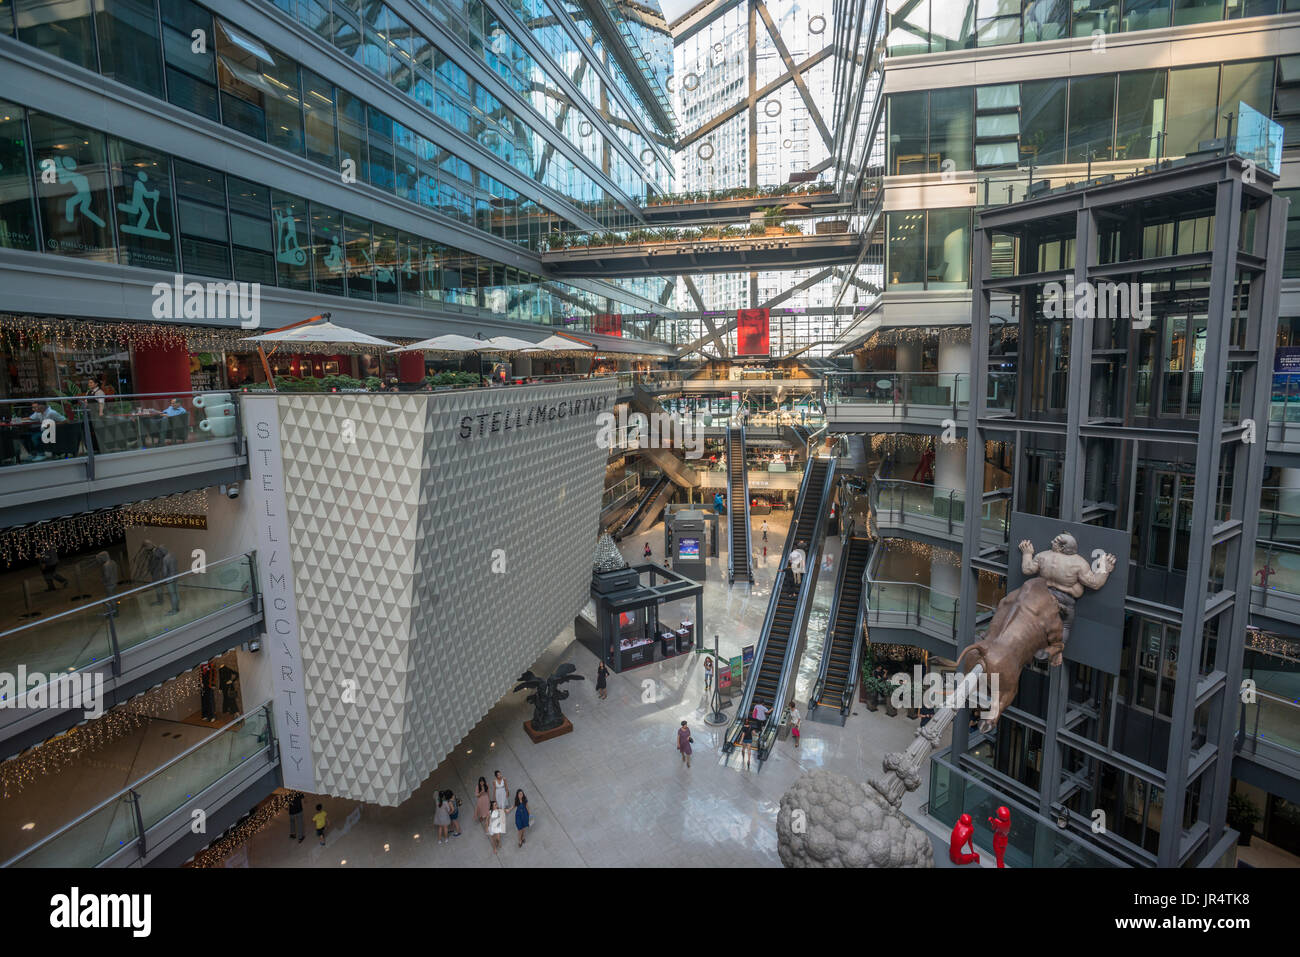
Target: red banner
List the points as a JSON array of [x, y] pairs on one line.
[[608, 323], [752, 332]]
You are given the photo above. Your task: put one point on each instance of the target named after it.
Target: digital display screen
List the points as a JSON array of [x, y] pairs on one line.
[[688, 548]]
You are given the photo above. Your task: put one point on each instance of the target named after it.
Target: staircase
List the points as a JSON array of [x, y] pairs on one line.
[[740, 566], [776, 658], [832, 698]]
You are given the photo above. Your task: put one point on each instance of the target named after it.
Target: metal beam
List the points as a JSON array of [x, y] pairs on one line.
[[797, 77]]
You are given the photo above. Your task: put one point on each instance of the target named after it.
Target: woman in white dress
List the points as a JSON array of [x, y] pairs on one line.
[[502, 790], [496, 825]]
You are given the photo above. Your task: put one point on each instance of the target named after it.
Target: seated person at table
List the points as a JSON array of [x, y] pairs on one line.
[[41, 412], [173, 429]]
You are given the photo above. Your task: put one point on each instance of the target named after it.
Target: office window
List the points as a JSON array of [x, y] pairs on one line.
[[1291, 252], [1145, 14], [1140, 115], [1047, 20], [318, 120], [352, 136], [329, 263], [17, 210], [251, 233], [1193, 108], [386, 264], [950, 129], [129, 48], [64, 30], [909, 32], [292, 229], [1250, 82], [1092, 118], [997, 22], [1251, 8], [191, 77], [315, 15], [997, 125], [205, 230], [6, 18], [74, 210], [908, 119], [1095, 16], [380, 170], [260, 90], [360, 255], [1197, 11], [408, 270], [1286, 109], [405, 164], [142, 194], [1042, 122], [347, 28]]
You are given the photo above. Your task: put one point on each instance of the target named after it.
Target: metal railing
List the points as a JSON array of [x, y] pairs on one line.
[[72, 427], [894, 604], [127, 816], [87, 636], [620, 491], [931, 506]]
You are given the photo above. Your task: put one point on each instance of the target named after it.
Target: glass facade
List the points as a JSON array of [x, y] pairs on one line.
[[1138, 115]]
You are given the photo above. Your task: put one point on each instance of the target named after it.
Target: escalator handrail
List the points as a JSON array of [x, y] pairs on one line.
[[650, 495], [822, 670], [859, 639], [803, 604]]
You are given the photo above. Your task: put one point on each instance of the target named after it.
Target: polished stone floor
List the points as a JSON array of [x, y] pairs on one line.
[[615, 793]]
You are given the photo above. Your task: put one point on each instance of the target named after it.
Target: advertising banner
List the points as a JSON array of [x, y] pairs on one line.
[[609, 324], [752, 337], [275, 576]]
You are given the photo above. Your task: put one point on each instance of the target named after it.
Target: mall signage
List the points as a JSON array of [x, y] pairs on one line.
[[280, 607], [522, 417]]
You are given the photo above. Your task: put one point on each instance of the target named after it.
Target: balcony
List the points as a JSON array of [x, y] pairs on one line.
[[133, 641], [1284, 416], [912, 613], [934, 514], [1275, 587], [88, 454], [150, 821], [903, 401]]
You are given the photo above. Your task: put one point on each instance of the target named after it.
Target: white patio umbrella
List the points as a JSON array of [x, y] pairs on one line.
[[506, 344], [561, 344], [320, 334], [451, 342]]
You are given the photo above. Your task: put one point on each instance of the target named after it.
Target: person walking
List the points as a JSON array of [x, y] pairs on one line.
[[50, 568], [481, 801], [794, 722], [763, 528], [747, 740], [453, 812], [797, 563], [602, 677], [708, 673], [295, 817], [442, 817], [522, 817], [502, 791], [496, 826], [647, 552], [319, 820], [684, 741]]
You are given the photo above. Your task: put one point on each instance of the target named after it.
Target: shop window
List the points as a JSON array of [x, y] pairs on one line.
[[128, 43], [74, 210], [17, 213], [1042, 122], [1092, 118], [64, 30], [191, 76], [251, 233], [292, 229], [205, 231], [1140, 114], [318, 120], [1193, 108], [329, 263], [360, 254], [142, 194]]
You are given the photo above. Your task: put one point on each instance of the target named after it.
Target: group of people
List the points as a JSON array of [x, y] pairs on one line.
[[491, 805], [753, 725]]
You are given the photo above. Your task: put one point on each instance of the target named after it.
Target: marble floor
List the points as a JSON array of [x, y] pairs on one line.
[[615, 793]]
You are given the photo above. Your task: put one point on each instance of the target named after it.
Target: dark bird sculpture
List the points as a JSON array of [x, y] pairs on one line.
[[547, 695]]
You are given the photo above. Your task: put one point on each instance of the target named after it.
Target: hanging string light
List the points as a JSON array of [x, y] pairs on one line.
[[215, 854]]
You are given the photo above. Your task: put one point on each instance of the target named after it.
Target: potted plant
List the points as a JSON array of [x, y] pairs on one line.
[[1242, 816], [887, 695]]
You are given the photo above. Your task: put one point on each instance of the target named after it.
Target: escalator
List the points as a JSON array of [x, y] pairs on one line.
[[648, 509], [776, 658], [740, 566], [669, 461], [832, 697]]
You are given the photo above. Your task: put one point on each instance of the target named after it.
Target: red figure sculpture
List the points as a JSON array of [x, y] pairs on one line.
[[963, 834], [1001, 828]]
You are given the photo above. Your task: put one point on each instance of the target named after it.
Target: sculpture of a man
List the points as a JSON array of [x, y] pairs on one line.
[[1066, 572]]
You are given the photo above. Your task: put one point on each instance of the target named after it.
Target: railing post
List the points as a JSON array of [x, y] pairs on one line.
[[112, 639], [143, 847], [88, 438]]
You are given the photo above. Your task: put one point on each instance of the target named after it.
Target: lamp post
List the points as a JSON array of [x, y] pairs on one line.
[[716, 717]]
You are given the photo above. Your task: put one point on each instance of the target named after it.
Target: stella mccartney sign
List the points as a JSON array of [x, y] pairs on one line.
[[525, 417]]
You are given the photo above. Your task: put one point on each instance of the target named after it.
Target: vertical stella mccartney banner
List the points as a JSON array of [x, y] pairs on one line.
[[275, 573]]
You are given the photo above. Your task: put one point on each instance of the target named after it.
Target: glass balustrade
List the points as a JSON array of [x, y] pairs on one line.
[[96, 835], [897, 501], [84, 636], [893, 604], [946, 390], [65, 427], [1277, 568]]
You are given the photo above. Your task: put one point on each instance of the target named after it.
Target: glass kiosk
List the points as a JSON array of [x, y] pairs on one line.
[[637, 616]]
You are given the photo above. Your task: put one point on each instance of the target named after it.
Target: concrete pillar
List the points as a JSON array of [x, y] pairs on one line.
[[945, 585], [954, 357], [949, 469], [160, 369]]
